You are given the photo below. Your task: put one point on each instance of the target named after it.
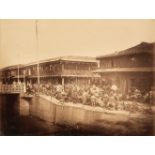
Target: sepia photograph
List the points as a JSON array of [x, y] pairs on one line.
[[77, 77]]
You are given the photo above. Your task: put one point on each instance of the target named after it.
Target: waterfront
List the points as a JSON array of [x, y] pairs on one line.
[[104, 123]]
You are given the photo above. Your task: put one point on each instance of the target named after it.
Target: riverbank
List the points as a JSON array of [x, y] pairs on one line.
[[92, 120], [43, 115]]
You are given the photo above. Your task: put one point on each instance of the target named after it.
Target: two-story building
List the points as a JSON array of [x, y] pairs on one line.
[[62, 70], [11, 73], [68, 69], [133, 67]]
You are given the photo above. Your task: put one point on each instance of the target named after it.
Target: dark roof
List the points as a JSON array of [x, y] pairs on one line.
[[143, 47]]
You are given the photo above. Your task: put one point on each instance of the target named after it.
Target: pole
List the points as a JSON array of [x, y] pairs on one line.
[[37, 52], [18, 74], [0, 37], [63, 81]]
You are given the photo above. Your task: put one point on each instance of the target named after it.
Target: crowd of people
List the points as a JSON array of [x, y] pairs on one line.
[[106, 96]]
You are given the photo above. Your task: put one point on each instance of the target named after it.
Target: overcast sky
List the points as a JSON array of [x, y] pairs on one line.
[[69, 37]]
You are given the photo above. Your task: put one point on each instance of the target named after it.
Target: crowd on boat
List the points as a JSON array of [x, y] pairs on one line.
[[106, 96]]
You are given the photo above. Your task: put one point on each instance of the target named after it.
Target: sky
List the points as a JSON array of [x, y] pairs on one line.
[[18, 43]]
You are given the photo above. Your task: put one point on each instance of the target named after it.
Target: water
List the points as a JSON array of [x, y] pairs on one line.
[[17, 119]]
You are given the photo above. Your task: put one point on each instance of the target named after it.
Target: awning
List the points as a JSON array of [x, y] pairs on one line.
[[138, 69], [66, 75]]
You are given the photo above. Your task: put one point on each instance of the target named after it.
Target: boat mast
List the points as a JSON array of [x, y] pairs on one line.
[[37, 52]]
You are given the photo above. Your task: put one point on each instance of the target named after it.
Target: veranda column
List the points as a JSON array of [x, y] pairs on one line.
[[63, 81]]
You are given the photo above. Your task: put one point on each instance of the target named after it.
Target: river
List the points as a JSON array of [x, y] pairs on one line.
[[22, 117]]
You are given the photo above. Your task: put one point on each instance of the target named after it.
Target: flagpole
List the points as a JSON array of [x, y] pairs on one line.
[[18, 73], [18, 65], [37, 52]]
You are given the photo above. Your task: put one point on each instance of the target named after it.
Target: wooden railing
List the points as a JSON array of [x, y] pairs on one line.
[[12, 88]]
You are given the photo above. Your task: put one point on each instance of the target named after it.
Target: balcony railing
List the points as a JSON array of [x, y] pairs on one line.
[[12, 88]]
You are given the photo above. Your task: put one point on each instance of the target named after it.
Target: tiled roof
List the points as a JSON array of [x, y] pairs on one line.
[[71, 58], [143, 47], [65, 58], [12, 67]]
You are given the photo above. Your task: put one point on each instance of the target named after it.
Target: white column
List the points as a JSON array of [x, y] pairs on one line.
[[63, 81]]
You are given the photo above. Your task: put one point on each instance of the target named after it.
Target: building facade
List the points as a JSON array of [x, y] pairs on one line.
[[133, 67], [11, 73], [62, 70]]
